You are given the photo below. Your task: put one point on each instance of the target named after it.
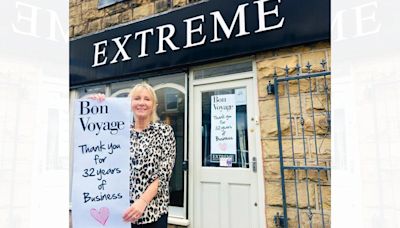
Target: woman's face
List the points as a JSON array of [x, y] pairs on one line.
[[142, 104]]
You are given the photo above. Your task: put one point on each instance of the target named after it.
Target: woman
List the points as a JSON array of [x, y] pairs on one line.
[[152, 160]]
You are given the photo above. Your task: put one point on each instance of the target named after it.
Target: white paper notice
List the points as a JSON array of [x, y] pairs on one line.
[[223, 127], [100, 191]]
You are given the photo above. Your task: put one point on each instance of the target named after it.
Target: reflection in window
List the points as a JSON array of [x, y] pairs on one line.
[[171, 110], [170, 91], [122, 89]]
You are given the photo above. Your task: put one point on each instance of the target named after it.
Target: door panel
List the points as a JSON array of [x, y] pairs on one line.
[[210, 201], [225, 185], [240, 197]]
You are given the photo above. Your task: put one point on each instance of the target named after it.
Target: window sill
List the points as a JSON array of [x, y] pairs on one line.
[[178, 221]]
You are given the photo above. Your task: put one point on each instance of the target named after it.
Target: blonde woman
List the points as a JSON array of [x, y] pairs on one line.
[[152, 160]]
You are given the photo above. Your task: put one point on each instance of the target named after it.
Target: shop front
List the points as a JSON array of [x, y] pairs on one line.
[[210, 64]]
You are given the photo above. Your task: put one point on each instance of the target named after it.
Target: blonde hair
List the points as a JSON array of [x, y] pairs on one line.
[[144, 85]]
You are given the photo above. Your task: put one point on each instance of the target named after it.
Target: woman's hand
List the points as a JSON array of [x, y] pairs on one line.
[[135, 211], [98, 97]]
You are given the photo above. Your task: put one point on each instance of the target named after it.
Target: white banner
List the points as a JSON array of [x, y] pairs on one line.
[[100, 191], [223, 128]]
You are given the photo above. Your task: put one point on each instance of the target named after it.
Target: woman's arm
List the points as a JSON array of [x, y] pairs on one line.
[[160, 179], [167, 159], [150, 192], [135, 211]]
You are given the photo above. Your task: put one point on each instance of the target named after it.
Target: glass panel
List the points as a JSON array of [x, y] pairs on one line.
[[171, 109], [233, 68], [224, 128], [178, 79], [86, 91], [122, 89]]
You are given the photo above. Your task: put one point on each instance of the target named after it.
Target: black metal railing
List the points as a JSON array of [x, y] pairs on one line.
[[309, 124]]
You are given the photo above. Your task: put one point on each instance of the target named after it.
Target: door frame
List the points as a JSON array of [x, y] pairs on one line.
[[257, 136]]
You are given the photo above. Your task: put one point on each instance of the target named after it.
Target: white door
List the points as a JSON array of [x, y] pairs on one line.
[[224, 157]]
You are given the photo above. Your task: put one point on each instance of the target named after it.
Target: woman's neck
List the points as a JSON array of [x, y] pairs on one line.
[[141, 124]]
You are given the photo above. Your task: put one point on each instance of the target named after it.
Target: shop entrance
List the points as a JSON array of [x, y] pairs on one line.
[[224, 164]]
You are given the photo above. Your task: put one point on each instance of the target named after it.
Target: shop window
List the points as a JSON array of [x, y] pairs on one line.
[[122, 89], [171, 94], [105, 3]]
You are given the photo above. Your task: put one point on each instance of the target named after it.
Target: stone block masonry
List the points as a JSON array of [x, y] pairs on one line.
[[86, 18], [293, 128]]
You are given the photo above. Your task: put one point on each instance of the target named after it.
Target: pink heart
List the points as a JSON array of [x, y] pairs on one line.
[[222, 146], [101, 216]]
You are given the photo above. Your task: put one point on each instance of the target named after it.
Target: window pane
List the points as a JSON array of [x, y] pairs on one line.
[[171, 96], [122, 89], [233, 68], [225, 152], [86, 91], [178, 79]]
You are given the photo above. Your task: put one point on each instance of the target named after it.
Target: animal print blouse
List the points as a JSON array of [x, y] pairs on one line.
[[152, 156]]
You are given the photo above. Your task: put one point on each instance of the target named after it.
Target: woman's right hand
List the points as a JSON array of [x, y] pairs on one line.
[[135, 211], [98, 97]]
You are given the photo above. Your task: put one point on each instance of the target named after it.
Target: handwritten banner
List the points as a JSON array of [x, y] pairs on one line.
[[100, 191], [223, 129]]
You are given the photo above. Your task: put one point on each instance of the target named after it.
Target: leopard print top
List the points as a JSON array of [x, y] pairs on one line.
[[152, 156]]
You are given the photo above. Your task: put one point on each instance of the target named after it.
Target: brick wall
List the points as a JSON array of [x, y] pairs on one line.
[[266, 63]]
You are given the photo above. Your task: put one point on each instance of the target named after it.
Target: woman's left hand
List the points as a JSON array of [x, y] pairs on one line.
[[135, 211]]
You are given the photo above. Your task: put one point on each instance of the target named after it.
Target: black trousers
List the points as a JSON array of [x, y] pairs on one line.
[[162, 222]]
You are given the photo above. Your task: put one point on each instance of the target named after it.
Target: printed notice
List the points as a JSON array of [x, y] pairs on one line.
[[100, 190], [223, 128]]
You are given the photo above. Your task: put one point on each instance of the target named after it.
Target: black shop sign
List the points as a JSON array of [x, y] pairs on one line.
[[203, 32]]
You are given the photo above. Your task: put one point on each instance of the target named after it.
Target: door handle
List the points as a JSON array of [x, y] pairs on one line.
[[254, 164]]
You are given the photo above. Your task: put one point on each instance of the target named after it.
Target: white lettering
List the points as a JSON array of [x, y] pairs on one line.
[[190, 31], [262, 14], [218, 19], [32, 20], [143, 45], [55, 23], [195, 33], [360, 20], [97, 53], [166, 39], [121, 49], [338, 24]]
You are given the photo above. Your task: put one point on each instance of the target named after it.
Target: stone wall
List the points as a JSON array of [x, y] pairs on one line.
[[85, 18], [267, 63]]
